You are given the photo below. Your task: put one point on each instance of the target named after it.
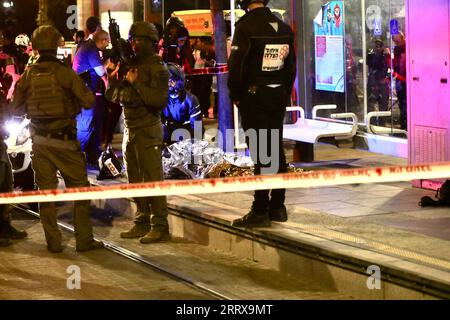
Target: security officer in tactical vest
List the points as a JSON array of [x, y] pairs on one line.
[[143, 94], [51, 95], [262, 71]]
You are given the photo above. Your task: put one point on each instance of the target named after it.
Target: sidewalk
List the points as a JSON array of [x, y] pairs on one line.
[[382, 223], [360, 225]]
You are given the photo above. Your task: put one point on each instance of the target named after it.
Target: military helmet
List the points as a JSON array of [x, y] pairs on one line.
[[143, 29], [245, 3], [174, 22], [45, 38]]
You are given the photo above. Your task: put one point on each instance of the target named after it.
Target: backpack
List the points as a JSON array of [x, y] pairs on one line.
[[442, 195], [47, 98]]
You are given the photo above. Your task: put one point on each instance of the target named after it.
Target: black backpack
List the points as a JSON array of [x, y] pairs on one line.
[[442, 195]]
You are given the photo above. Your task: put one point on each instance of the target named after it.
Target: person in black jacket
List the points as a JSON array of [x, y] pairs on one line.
[[262, 71]]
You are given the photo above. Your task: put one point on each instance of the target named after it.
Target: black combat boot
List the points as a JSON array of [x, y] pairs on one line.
[[8, 231], [4, 242], [278, 214], [256, 218]]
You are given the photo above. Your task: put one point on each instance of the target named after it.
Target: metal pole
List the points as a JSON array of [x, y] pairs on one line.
[[232, 17], [163, 21], [237, 141], [364, 53]]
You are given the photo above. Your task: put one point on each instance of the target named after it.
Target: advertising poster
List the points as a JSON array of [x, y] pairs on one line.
[[329, 47], [198, 22]]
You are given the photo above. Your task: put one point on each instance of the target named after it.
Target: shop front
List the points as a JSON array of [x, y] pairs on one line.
[[351, 53]]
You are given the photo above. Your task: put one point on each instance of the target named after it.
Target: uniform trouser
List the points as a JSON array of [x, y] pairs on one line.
[[262, 117], [89, 128], [6, 184], [143, 161], [49, 156], [112, 116]]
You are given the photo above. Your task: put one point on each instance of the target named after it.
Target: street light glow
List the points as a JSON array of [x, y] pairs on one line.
[[8, 4]]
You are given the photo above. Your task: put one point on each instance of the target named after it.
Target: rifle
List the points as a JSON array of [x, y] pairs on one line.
[[121, 49]]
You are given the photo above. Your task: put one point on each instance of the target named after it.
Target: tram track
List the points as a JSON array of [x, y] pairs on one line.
[[130, 255]]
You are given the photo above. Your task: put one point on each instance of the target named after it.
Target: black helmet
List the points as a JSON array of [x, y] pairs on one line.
[[143, 29], [174, 22], [177, 75], [45, 38], [243, 4]]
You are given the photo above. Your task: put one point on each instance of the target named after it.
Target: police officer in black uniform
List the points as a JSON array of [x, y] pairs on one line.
[[262, 71]]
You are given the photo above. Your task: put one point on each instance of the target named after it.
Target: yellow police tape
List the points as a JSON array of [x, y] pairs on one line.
[[308, 179]]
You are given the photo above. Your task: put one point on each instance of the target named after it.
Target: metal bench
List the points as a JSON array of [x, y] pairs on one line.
[[374, 129], [306, 132]]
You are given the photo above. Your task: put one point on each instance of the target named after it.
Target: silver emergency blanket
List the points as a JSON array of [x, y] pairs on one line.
[[198, 159]]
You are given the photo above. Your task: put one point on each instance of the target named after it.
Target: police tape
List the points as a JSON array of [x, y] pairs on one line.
[[219, 69], [309, 179]]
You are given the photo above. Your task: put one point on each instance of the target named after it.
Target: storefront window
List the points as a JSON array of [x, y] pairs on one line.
[[121, 11], [352, 67], [334, 59]]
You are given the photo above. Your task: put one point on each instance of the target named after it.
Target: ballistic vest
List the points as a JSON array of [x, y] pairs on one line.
[[47, 98]]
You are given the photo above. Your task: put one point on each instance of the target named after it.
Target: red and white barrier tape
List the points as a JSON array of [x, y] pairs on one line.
[[179, 187], [210, 70]]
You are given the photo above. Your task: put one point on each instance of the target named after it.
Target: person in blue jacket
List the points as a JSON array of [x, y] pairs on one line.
[[183, 108]]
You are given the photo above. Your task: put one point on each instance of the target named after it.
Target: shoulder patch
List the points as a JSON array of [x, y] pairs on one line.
[[274, 25]]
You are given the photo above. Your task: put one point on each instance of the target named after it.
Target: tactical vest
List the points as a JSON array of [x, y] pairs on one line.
[[265, 59], [47, 98]]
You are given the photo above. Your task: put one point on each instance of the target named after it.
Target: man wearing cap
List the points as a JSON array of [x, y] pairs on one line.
[[51, 95], [143, 94]]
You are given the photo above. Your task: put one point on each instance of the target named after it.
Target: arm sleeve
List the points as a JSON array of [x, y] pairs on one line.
[[154, 94], [94, 59], [239, 48], [195, 112], [292, 67]]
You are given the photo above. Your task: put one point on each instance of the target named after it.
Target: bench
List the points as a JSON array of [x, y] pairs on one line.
[[306, 132], [374, 129]]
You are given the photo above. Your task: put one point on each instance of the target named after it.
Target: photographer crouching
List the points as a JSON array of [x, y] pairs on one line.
[[143, 94]]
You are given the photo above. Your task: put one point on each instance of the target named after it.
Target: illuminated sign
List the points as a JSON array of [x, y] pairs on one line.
[[329, 47]]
